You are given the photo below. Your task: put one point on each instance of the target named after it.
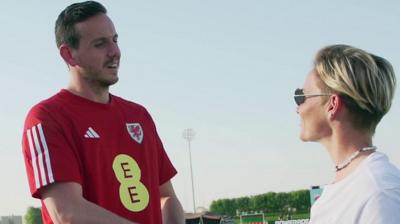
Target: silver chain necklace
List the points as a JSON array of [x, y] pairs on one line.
[[352, 157]]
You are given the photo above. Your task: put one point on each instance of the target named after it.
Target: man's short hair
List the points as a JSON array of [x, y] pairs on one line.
[[364, 81], [65, 30]]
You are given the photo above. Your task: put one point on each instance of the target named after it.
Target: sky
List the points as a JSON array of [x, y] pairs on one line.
[[227, 69]]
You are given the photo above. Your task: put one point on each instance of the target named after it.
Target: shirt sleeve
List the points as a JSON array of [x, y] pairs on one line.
[[382, 208], [48, 155], [166, 169]]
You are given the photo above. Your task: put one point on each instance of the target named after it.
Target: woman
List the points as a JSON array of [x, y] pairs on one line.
[[343, 99]]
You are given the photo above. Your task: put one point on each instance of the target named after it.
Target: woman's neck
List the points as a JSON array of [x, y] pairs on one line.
[[341, 146]]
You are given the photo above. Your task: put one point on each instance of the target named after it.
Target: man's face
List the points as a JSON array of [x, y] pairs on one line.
[[313, 112], [98, 55]]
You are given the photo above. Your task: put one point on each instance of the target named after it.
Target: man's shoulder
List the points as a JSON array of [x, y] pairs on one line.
[[52, 102], [44, 111], [121, 102]]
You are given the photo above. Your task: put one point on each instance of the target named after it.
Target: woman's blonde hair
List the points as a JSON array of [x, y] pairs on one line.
[[364, 81]]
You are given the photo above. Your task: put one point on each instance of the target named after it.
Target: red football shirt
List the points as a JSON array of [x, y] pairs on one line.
[[112, 150]]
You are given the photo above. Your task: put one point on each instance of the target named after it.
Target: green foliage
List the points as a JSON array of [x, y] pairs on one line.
[[270, 202], [33, 216], [224, 206], [272, 217]]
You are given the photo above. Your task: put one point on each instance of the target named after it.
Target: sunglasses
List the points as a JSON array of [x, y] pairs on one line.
[[300, 97]]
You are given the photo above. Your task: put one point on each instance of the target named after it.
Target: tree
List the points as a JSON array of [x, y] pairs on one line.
[[33, 216], [243, 204], [270, 202], [300, 200], [223, 206], [260, 202]]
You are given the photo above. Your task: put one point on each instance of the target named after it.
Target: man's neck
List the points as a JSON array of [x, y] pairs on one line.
[[98, 95]]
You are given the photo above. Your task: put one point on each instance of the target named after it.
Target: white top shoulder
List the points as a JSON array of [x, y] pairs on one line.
[[371, 194]]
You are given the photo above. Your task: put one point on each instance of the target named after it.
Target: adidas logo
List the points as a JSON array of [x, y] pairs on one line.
[[90, 133]]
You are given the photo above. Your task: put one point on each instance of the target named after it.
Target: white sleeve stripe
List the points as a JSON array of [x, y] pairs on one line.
[[93, 132], [46, 154], [40, 156], [33, 156]]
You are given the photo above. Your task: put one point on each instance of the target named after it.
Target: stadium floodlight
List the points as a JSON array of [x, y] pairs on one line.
[[189, 134]]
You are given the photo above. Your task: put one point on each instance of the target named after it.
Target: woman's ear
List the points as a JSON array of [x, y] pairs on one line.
[[66, 54], [335, 105]]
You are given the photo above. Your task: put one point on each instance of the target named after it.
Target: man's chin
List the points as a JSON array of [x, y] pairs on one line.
[[114, 81], [110, 82]]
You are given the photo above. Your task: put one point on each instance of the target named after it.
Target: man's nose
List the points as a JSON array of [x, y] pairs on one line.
[[114, 50]]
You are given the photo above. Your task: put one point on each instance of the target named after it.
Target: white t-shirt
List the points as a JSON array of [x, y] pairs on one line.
[[371, 194]]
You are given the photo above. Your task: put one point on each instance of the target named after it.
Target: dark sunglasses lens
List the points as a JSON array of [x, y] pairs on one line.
[[299, 99], [298, 96], [298, 92]]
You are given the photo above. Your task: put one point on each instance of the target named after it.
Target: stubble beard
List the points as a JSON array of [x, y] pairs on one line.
[[97, 79], [108, 83]]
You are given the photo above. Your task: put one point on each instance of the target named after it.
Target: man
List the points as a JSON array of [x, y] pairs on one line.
[[343, 99], [92, 157]]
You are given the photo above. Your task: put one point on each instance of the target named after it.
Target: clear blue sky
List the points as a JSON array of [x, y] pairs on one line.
[[225, 68]]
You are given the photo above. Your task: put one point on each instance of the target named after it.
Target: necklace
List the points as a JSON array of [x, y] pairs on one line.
[[353, 156]]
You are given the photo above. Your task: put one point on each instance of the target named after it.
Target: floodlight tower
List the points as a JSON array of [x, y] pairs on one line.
[[189, 134]]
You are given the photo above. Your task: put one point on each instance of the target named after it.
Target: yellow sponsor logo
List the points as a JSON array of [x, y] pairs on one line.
[[133, 194]]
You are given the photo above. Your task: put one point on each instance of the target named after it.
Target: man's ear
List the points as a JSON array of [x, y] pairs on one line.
[[335, 106], [67, 54]]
